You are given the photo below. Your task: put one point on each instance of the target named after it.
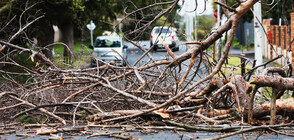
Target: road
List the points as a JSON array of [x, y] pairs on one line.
[[133, 54]]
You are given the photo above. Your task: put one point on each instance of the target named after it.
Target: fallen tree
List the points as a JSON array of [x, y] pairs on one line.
[[150, 92]]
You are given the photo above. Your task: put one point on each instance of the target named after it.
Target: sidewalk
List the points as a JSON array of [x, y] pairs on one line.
[[237, 51]]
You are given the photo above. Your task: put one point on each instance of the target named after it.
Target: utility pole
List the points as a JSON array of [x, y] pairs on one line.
[[189, 26], [258, 33], [188, 17], [195, 27], [218, 24]]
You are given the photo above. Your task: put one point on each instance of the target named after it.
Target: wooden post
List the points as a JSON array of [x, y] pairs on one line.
[[273, 106], [292, 36], [195, 30], [243, 61], [214, 50]]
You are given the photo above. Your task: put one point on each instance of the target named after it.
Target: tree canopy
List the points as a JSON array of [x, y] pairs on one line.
[[69, 15], [275, 9], [64, 13]]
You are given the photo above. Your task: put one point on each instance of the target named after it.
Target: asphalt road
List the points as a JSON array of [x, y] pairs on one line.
[[134, 53]]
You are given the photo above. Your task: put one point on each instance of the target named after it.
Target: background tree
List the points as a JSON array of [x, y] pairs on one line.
[[205, 24], [65, 14], [144, 16], [274, 11]]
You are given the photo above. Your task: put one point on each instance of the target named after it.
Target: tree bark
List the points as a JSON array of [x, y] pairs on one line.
[[273, 106], [251, 103], [275, 82], [46, 39], [68, 38]]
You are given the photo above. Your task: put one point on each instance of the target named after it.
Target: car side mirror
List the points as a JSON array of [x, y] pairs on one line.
[[125, 47], [91, 47]]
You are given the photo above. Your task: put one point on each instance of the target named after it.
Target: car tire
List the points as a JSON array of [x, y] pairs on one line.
[[155, 48], [173, 48]]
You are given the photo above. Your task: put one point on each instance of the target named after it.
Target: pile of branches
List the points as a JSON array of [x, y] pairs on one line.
[[154, 93]]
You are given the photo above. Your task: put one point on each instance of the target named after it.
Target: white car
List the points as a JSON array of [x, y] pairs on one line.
[[109, 49], [167, 34]]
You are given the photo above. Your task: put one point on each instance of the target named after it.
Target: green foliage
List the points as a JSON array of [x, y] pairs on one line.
[[60, 12], [274, 11], [284, 6], [58, 49], [204, 26], [161, 22], [143, 17], [235, 44], [28, 119], [84, 114], [24, 60]]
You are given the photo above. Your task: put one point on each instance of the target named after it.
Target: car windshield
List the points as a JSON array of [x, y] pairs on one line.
[[109, 42], [164, 30]]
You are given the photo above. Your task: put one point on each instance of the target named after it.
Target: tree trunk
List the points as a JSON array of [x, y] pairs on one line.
[[283, 107], [273, 106], [46, 39], [68, 38]]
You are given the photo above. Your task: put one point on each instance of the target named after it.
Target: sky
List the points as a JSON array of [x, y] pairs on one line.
[[189, 5]]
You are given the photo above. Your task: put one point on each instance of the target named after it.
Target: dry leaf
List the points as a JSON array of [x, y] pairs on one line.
[[162, 114], [32, 58], [37, 64]]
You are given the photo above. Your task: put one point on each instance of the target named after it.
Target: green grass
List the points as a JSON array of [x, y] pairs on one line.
[[77, 61], [274, 64], [233, 66], [28, 119], [58, 49], [267, 91]]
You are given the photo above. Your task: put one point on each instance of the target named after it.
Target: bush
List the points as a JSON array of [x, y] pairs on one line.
[[235, 44], [28, 119]]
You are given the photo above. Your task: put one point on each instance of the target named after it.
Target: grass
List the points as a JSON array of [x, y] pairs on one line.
[[267, 91], [77, 61], [58, 49], [233, 66], [28, 119]]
